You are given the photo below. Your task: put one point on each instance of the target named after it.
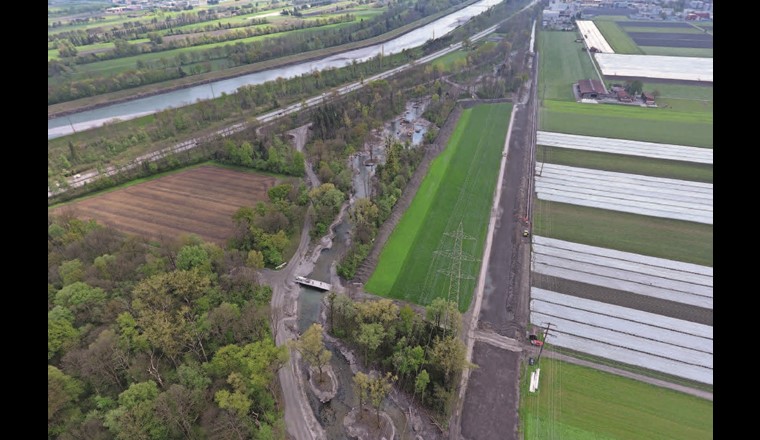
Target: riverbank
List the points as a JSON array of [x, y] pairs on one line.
[[95, 102]]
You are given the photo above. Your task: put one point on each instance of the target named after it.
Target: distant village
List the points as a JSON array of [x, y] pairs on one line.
[[561, 14]]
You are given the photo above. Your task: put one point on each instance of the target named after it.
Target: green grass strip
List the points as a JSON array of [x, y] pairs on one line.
[[647, 166], [458, 189], [563, 63], [580, 403], [640, 234], [620, 41], [678, 51], [663, 125]]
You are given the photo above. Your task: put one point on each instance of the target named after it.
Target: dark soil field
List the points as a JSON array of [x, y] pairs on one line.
[[200, 201], [652, 24], [701, 41]]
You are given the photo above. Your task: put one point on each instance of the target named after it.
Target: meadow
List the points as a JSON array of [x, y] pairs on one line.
[[422, 258]]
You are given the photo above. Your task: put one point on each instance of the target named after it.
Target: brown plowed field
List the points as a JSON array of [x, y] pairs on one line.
[[200, 201]]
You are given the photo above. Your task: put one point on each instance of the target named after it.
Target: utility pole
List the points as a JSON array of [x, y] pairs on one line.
[[546, 333]]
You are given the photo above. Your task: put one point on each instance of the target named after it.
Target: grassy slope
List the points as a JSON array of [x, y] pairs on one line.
[[562, 64], [646, 166], [458, 188], [578, 403], [664, 125]]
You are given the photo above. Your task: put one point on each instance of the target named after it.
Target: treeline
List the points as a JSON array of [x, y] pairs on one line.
[[130, 30], [426, 354], [264, 232], [269, 154], [165, 339], [399, 14], [101, 146], [124, 49]]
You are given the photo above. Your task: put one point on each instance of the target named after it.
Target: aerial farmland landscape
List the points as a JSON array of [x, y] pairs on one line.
[[402, 219]]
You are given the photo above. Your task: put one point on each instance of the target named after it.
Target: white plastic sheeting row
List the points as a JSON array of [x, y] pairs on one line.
[[656, 66], [632, 315], [623, 271], [645, 195], [593, 37], [625, 335], [626, 147]]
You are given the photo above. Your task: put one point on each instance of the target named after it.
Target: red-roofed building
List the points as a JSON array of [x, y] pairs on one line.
[[591, 88], [623, 96], [648, 98]]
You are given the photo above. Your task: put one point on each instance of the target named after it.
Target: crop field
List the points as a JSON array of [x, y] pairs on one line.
[[199, 200], [679, 240], [676, 281], [673, 39], [653, 24], [626, 164], [562, 64], [118, 65], [626, 147], [620, 41], [649, 66], [423, 256], [645, 195], [677, 51], [579, 403], [661, 125], [593, 37]]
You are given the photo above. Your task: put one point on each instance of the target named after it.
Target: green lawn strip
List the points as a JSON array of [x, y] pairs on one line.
[[464, 197], [580, 403], [647, 166], [663, 125], [678, 51], [563, 63], [678, 240], [689, 105], [397, 247], [679, 91], [620, 41]]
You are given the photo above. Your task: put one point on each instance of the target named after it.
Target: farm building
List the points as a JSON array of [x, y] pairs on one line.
[[591, 88], [648, 98], [623, 96]]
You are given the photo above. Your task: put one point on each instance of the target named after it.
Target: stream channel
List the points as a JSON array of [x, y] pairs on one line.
[[331, 414]]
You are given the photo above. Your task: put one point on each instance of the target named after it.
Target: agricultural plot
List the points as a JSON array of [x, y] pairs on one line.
[[200, 201], [436, 248], [625, 271], [617, 37], [562, 64], [653, 24], [644, 195], [670, 39], [593, 37], [677, 51], [647, 340], [667, 126], [579, 403], [626, 147], [654, 66]]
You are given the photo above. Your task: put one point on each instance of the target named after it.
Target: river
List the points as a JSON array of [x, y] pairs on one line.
[[84, 120]]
